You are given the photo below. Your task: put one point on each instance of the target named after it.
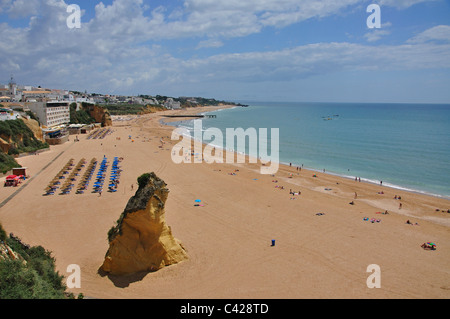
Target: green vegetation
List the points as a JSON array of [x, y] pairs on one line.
[[36, 278], [21, 138], [2, 234], [33, 116], [200, 102], [7, 163], [124, 109], [79, 117], [143, 179]]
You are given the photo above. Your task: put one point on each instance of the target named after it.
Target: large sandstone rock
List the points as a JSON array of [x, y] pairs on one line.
[[141, 240]]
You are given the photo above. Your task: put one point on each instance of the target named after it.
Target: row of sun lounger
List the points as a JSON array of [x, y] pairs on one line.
[[70, 172], [99, 134]]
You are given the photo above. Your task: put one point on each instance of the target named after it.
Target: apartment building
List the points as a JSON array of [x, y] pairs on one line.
[[51, 113]]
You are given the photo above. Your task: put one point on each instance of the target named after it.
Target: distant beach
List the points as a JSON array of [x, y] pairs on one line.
[[374, 142]]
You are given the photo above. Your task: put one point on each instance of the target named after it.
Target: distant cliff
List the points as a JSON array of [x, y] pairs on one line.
[[18, 136], [141, 240], [97, 113]]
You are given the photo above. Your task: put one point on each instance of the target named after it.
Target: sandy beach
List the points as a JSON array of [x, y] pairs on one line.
[[322, 249]]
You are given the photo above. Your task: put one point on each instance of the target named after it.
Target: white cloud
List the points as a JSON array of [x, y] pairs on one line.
[[375, 34], [437, 33], [210, 43], [113, 52], [402, 4]]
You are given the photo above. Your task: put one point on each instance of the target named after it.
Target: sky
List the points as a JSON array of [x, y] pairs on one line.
[[233, 50]]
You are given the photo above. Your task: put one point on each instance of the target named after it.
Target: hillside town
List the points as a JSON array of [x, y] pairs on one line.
[[52, 107]]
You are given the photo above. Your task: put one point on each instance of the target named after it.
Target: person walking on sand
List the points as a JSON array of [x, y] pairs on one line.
[[356, 195], [400, 206]]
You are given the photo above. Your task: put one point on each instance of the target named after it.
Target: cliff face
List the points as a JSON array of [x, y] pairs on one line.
[[101, 115], [20, 134], [33, 125], [141, 240]]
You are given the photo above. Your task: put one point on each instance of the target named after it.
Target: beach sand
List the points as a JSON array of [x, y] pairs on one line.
[[229, 239]]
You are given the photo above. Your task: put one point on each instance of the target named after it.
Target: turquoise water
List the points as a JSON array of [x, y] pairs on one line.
[[404, 145]]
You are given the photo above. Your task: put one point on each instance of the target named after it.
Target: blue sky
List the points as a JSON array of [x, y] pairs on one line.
[[273, 50]]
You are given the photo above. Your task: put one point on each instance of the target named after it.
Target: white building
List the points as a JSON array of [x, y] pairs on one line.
[[171, 104], [51, 113], [8, 114]]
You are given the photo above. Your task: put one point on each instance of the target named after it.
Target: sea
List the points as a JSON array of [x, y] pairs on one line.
[[405, 146]]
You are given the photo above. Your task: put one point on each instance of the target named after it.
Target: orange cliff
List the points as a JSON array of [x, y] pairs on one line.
[[141, 240]]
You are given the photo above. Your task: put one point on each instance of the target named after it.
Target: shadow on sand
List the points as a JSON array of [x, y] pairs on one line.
[[125, 280]]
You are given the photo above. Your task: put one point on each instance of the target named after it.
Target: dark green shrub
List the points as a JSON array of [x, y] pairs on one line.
[[2, 234], [143, 179]]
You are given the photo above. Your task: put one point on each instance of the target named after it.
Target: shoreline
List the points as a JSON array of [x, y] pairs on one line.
[[311, 169]]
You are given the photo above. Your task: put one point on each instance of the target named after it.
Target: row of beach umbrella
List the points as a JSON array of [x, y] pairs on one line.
[[115, 175], [70, 180], [82, 186], [100, 179], [53, 185]]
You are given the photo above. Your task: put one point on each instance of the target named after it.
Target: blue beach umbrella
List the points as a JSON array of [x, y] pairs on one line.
[[197, 200]]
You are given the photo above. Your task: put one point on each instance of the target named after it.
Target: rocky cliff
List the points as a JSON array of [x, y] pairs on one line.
[[33, 125], [100, 114], [142, 240], [22, 134]]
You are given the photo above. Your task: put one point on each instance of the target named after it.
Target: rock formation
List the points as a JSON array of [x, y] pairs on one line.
[[100, 114], [141, 240]]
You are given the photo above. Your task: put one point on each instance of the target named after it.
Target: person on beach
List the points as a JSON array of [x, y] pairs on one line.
[[400, 206], [356, 195]]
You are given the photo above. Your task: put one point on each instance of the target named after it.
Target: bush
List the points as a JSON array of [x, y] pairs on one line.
[[7, 162], [19, 281], [143, 179], [34, 279], [22, 138], [2, 234]]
